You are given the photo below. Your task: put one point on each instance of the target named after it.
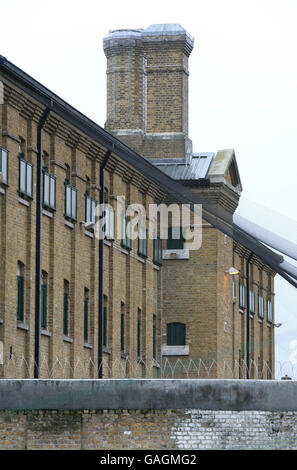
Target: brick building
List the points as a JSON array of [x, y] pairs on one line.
[[153, 305]]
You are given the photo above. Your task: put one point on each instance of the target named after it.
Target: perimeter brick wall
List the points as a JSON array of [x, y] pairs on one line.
[[148, 414]]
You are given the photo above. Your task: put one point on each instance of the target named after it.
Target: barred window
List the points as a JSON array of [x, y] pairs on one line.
[[234, 290], [154, 336], [241, 295], [252, 301], [269, 311], [70, 201], [109, 222], [90, 209], [25, 177], [44, 300], [86, 315], [157, 257], [176, 334], [20, 291], [49, 190], [175, 238], [261, 306], [126, 238], [142, 241]]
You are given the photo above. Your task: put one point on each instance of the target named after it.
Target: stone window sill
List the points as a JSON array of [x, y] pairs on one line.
[[67, 339], [175, 350], [24, 201], [47, 213], [106, 350], [89, 234], [68, 223], [156, 267], [124, 355], [88, 345], [176, 254], [22, 326], [1, 321], [45, 332]]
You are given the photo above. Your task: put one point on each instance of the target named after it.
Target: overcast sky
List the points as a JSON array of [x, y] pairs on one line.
[[243, 85]]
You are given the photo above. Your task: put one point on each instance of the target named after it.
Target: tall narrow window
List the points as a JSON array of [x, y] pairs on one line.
[[44, 300], [3, 166], [142, 240], [122, 327], [157, 258], [234, 290], [241, 295], [261, 306], [66, 308], [105, 320], [252, 301], [176, 334], [269, 311], [175, 238], [109, 224], [90, 209], [25, 177], [86, 315], [49, 190], [138, 332], [70, 201], [20, 291], [154, 337], [126, 237]]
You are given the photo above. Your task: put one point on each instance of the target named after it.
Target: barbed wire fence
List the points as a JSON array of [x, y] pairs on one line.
[[167, 368]]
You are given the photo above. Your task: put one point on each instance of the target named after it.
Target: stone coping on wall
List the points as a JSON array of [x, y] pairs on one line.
[[148, 394]]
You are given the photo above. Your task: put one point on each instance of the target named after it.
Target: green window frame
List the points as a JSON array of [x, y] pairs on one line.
[[261, 306], [234, 291], [44, 306], [142, 241], [109, 222], [105, 327], [90, 206], [126, 241], [65, 314], [269, 311], [157, 256], [252, 301], [25, 177], [241, 295], [49, 190], [70, 201], [86, 319], [122, 332], [138, 333], [176, 334], [4, 165], [154, 336], [20, 298], [175, 243]]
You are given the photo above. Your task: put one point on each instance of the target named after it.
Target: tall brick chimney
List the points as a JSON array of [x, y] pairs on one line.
[[147, 89]]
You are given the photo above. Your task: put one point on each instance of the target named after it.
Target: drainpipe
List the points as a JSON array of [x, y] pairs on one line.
[[101, 266], [38, 242], [248, 314]]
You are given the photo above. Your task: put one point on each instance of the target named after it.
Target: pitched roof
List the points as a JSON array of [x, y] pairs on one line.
[[214, 215]]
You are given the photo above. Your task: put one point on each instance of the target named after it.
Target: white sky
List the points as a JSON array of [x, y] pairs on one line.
[[243, 92]]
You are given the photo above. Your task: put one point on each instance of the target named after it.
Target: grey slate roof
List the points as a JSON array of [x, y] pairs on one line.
[[192, 168]]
